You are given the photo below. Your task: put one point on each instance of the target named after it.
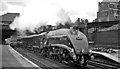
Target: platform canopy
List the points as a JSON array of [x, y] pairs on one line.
[[102, 24], [5, 21]]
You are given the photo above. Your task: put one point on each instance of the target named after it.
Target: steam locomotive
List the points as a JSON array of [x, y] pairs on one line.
[[66, 46]]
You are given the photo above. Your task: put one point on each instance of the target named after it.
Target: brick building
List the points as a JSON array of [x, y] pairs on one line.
[[109, 10]]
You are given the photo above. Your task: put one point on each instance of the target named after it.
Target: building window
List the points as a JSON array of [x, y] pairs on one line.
[[111, 11], [103, 6], [111, 6], [116, 17], [105, 14], [118, 6], [118, 12]]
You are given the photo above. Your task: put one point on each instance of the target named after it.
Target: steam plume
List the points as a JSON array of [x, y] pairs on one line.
[[39, 13]]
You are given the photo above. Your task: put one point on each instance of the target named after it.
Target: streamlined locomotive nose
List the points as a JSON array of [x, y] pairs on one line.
[[80, 43]]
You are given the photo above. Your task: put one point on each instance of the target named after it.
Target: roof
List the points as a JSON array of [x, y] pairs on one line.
[[4, 27], [35, 35], [102, 24], [6, 19], [110, 0], [9, 17], [59, 32]]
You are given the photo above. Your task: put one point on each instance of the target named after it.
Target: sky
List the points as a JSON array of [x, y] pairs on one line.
[[86, 9], [35, 13]]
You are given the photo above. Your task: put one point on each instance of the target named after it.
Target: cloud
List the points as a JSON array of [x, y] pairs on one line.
[[17, 2], [13, 6], [3, 7], [39, 13], [78, 8]]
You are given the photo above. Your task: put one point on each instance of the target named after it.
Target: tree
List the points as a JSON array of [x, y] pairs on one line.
[[82, 24], [68, 24], [77, 22], [60, 25], [86, 20]]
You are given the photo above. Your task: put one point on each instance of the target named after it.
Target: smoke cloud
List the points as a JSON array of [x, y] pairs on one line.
[[36, 13], [39, 13]]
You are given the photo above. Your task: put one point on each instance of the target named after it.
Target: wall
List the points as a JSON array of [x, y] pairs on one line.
[[0, 34], [106, 37]]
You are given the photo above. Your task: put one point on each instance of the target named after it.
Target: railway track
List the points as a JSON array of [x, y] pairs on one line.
[[32, 59], [43, 62], [101, 64]]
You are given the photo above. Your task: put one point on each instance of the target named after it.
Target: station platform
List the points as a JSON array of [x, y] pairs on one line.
[[112, 56], [11, 58]]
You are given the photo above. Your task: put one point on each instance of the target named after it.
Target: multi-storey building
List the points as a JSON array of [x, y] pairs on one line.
[[109, 10]]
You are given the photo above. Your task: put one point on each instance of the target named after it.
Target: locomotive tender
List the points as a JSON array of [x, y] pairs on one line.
[[67, 46]]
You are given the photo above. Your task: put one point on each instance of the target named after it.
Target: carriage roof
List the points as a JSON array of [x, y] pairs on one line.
[[59, 32], [30, 36]]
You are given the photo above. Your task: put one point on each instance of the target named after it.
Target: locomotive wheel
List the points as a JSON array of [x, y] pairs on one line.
[[70, 63], [83, 62], [65, 58], [47, 53], [44, 52], [59, 58], [54, 53], [68, 60], [56, 57], [32, 49]]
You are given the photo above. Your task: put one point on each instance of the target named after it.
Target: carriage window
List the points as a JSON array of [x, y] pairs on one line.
[[52, 41], [64, 41]]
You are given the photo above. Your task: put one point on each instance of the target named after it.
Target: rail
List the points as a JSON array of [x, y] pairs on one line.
[[101, 64]]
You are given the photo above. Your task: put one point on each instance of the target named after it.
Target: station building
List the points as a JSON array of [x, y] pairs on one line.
[[108, 10], [5, 21]]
